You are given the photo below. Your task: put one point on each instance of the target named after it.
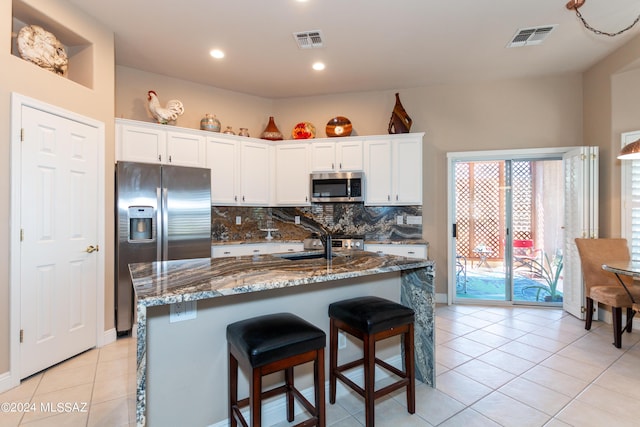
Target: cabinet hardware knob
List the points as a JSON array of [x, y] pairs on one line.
[[388, 197], [169, 159], [243, 198], [331, 165], [159, 157], [235, 198]]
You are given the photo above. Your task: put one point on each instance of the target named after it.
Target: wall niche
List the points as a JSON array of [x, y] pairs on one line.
[[79, 50]]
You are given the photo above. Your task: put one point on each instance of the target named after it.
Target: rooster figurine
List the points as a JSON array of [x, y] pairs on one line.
[[163, 115]]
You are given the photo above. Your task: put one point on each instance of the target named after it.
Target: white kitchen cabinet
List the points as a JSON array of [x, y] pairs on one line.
[[153, 143], [336, 156], [233, 250], [393, 170], [238, 250], [292, 174], [255, 165], [185, 149], [287, 247], [222, 159], [405, 250], [239, 171]]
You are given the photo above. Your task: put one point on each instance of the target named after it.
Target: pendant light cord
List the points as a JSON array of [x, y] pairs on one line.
[[604, 33]]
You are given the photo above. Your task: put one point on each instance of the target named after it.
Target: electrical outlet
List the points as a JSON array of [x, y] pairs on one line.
[[399, 219], [414, 220], [296, 219], [180, 311], [238, 220], [342, 340]]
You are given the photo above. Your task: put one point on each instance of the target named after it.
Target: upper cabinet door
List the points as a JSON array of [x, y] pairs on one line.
[[254, 174], [222, 159], [323, 156], [140, 143], [377, 172], [407, 155], [349, 156], [292, 174], [185, 149]]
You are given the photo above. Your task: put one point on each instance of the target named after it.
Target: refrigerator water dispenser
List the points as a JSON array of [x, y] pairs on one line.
[[140, 223]]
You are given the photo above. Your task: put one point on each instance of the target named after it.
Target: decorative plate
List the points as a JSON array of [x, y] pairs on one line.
[[339, 126], [303, 130]]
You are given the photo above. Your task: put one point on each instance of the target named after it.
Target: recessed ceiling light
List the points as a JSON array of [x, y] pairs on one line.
[[318, 66], [217, 53]]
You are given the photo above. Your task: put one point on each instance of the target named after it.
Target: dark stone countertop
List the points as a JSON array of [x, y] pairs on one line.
[[167, 282]]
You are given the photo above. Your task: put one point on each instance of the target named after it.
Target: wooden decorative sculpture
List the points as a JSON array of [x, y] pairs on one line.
[[400, 121]]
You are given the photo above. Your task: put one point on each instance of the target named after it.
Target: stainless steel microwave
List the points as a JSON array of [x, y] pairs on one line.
[[337, 187]]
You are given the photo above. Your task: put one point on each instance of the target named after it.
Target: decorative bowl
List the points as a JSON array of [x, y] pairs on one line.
[[339, 126], [303, 130]]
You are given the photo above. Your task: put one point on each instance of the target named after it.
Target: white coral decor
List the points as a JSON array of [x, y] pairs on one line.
[[39, 46]]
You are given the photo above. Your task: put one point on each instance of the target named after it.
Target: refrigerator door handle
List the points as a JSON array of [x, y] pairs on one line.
[[165, 225], [159, 224]]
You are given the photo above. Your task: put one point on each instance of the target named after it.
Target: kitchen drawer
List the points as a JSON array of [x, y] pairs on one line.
[[233, 250], [409, 251]]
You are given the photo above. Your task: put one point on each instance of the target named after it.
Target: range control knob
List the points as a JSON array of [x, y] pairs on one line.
[[357, 244]]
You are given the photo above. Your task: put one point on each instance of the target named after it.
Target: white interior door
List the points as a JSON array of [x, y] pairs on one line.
[[59, 226], [581, 220]]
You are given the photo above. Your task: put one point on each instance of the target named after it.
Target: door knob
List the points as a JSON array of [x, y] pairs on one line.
[[92, 248]]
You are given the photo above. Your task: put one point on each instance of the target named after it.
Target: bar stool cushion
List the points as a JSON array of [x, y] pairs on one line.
[[269, 338], [371, 314]]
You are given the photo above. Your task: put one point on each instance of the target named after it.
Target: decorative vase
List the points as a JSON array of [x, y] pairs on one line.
[[303, 130], [400, 121], [229, 131], [243, 132], [210, 123], [271, 132]]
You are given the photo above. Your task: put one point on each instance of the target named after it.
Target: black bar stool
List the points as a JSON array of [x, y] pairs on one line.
[[372, 319], [267, 344]]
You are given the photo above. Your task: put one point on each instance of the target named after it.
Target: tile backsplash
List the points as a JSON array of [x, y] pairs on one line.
[[380, 223]]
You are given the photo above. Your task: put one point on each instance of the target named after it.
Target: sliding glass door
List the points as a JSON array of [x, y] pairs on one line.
[[508, 230]]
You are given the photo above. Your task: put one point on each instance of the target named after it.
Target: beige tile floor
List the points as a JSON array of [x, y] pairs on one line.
[[496, 366]]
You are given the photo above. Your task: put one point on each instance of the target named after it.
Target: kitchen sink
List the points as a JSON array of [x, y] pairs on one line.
[[298, 256]]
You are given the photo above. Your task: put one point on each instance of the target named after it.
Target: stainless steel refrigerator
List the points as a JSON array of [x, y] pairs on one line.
[[163, 213]]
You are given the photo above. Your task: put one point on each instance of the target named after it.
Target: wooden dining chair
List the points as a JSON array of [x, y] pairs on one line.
[[603, 286]]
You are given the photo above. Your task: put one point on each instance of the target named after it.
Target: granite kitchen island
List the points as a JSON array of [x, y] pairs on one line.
[[182, 366]]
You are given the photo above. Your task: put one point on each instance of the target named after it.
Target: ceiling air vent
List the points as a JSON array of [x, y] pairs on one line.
[[309, 39], [530, 36]]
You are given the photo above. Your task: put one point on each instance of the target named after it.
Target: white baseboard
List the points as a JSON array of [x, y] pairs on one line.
[[108, 337], [442, 299], [7, 382], [274, 409], [605, 315]]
